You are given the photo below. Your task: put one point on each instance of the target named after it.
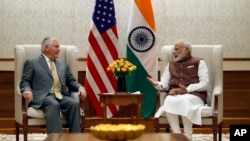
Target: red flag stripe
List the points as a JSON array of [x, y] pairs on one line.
[[105, 44], [101, 87], [103, 39], [97, 56]]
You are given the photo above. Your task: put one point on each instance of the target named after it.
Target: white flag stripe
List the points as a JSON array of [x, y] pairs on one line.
[[96, 90], [102, 44], [101, 72], [93, 84], [102, 50], [109, 114], [137, 18], [142, 51], [148, 63]]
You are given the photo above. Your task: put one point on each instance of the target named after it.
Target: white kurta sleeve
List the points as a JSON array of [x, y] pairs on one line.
[[164, 83]]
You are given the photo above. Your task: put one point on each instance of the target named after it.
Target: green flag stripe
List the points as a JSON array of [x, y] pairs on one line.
[[138, 82]]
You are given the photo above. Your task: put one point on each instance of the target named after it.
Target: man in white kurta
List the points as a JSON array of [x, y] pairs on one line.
[[185, 80]]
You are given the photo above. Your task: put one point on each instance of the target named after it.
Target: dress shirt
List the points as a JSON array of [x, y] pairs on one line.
[[48, 63]]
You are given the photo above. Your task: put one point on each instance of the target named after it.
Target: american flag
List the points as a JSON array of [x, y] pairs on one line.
[[103, 39]]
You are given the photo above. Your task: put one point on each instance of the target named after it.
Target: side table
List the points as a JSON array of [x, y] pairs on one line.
[[121, 99]]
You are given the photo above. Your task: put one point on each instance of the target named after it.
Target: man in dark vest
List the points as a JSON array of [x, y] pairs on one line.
[[185, 80]]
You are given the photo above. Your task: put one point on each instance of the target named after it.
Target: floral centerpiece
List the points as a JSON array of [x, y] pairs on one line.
[[121, 69]]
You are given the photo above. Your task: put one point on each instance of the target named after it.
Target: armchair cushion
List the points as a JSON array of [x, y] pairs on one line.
[[37, 113], [207, 111]]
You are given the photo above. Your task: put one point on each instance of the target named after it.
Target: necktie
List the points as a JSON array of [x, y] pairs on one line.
[[56, 83]]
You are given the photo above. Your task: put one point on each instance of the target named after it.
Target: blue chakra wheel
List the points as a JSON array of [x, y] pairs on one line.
[[141, 39]]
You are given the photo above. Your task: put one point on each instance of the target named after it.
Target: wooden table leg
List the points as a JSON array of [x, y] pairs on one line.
[[104, 112]]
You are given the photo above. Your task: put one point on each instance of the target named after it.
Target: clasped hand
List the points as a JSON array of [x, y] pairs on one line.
[[181, 90]]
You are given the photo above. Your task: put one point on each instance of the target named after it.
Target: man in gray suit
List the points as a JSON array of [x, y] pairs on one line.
[[38, 88]]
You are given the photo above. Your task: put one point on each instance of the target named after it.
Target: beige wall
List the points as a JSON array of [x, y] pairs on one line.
[[225, 22]]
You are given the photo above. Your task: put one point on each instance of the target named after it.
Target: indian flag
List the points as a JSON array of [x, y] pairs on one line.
[[142, 52]]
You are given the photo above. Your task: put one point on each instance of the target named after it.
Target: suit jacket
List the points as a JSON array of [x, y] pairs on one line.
[[37, 77]]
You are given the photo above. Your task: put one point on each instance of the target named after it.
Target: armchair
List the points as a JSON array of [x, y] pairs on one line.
[[28, 117], [212, 113]]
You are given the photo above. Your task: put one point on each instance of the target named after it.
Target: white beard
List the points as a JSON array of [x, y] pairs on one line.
[[179, 57]]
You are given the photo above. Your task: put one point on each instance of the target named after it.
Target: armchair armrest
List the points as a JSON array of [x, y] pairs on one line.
[[217, 104], [216, 94], [20, 107], [24, 111], [217, 90]]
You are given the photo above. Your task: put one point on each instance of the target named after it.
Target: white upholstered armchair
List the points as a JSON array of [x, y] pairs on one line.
[[28, 117], [212, 113]]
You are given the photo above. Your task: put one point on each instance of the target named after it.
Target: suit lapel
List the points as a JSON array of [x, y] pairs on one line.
[[44, 64]]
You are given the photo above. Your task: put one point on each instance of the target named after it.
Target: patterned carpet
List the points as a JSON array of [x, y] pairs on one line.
[[41, 137]]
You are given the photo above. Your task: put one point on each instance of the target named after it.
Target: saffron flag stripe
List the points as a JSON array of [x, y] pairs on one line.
[[142, 15], [147, 12]]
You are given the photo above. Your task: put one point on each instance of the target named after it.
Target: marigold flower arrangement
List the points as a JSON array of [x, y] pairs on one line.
[[121, 67]]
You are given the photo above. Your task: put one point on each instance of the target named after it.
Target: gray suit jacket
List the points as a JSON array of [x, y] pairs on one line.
[[37, 77]]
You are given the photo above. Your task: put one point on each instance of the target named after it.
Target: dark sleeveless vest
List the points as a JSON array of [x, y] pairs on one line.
[[186, 73]]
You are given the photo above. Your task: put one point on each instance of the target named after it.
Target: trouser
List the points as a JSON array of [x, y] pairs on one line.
[[173, 120], [69, 108]]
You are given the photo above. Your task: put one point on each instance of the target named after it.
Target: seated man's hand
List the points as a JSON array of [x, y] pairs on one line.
[[27, 95], [181, 90], [82, 93], [152, 81]]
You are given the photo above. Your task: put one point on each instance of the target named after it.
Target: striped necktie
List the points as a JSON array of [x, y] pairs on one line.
[[56, 82]]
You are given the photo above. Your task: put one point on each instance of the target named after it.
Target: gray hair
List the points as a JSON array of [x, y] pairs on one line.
[[186, 43], [47, 41]]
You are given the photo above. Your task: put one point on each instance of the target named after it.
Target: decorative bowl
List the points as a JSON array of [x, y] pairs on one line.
[[117, 132]]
